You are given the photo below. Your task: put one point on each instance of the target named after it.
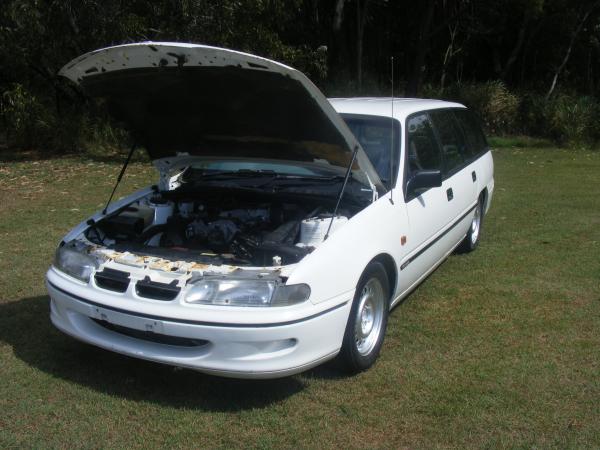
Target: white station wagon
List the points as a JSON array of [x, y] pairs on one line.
[[283, 226]]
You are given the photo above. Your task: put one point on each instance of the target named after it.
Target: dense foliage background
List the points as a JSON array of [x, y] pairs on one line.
[[527, 66]]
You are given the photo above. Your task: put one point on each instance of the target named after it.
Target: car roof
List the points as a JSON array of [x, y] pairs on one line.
[[382, 106]]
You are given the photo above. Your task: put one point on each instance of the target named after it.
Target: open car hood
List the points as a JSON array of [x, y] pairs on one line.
[[211, 102]]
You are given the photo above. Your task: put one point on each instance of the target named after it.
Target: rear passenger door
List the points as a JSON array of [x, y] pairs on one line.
[[459, 177], [477, 147]]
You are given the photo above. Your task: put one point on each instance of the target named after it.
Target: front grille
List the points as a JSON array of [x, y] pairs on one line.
[[113, 280], [151, 337], [157, 291]]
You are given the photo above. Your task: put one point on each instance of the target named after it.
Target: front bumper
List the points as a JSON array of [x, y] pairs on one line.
[[258, 350]]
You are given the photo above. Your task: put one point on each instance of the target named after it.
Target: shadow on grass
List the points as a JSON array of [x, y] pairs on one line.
[[25, 325]]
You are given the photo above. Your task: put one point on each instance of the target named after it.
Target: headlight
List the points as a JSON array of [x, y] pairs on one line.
[[72, 259], [246, 293]]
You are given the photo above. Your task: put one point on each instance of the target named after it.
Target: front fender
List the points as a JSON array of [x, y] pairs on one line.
[[335, 267]]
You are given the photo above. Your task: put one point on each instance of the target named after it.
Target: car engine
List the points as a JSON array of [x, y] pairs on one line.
[[221, 229]]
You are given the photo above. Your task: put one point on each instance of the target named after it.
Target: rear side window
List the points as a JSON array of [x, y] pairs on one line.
[[453, 142], [476, 141], [423, 152]]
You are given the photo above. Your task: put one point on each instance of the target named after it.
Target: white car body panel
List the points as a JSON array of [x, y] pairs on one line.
[[265, 342], [259, 351]]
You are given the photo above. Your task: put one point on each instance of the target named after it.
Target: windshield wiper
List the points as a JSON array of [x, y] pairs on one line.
[[288, 179], [231, 174], [284, 181]]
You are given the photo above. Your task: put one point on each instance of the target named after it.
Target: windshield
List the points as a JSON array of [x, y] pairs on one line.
[[375, 137]]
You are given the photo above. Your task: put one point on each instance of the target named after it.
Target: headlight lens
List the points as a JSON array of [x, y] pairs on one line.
[[290, 294], [71, 259], [228, 292]]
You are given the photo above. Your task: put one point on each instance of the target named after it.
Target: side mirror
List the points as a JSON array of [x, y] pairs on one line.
[[424, 179]]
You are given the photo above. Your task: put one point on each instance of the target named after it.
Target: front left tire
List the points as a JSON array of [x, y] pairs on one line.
[[365, 330]]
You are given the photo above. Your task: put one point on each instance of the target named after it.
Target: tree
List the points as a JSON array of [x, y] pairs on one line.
[[583, 16], [361, 19], [415, 77]]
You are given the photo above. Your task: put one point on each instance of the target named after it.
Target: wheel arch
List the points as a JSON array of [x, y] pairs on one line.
[[483, 195], [391, 270]]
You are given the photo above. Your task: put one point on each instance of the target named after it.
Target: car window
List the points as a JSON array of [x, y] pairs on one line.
[[375, 137], [476, 141], [454, 147], [423, 152]]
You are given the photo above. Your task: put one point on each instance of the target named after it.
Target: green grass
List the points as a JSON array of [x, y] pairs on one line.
[[499, 348], [519, 142]]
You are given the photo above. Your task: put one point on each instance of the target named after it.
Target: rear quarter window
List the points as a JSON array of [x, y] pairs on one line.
[[476, 141]]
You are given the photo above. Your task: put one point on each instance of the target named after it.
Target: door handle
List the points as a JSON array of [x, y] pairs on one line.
[[474, 176], [449, 194]]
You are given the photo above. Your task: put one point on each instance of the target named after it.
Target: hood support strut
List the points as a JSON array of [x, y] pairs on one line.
[[343, 188], [119, 177]]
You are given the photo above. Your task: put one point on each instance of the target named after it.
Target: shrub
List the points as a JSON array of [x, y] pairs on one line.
[[24, 117], [574, 120], [565, 118], [33, 124]]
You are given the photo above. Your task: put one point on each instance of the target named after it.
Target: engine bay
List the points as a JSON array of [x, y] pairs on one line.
[[219, 226]]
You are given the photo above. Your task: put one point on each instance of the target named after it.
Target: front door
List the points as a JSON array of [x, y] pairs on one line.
[[430, 211]]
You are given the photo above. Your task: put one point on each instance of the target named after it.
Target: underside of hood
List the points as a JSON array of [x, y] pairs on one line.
[[211, 102]]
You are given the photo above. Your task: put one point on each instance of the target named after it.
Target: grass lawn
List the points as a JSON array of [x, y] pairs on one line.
[[499, 348]]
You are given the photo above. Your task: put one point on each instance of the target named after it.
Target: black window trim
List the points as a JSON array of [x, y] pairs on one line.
[[445, 175]]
